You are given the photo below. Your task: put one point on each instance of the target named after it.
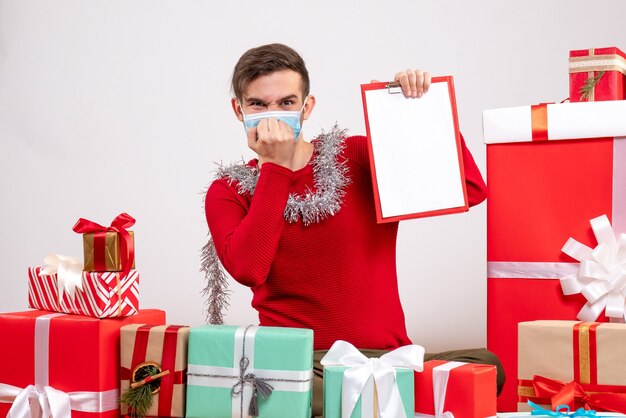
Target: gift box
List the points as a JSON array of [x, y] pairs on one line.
[[465, 390], [550, 169], [359, 387], [108, 248], [597, 74], [234, 371], [578, 364], [67, 364], [146, 349], [101, 295]]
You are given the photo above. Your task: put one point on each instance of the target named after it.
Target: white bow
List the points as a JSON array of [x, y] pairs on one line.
[[601, 277], [69, 271], [33, 402], [48, 402], [360, 370]]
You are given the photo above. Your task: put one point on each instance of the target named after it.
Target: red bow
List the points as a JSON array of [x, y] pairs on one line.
[[573, 395], [119, 225]]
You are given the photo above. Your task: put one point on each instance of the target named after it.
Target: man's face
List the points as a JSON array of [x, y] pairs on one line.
[[280, 90]]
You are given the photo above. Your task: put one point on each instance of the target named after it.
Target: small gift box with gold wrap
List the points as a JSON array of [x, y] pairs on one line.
[[153, 370], [579, 364], [108, 248]]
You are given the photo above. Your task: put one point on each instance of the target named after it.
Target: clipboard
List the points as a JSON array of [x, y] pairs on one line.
[[415, 151]]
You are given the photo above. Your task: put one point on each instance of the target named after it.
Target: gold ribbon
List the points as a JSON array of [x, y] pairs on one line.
[[591, 63], [584, 356]]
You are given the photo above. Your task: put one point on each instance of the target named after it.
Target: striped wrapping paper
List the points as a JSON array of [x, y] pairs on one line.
[[103, 294]]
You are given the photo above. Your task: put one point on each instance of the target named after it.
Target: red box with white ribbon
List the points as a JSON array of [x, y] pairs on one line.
[[597, 74], [466, 390], [65, 364], [99, 294], [550, 169]]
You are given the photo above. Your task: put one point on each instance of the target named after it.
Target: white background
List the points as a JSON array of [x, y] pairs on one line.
[[112, 106]]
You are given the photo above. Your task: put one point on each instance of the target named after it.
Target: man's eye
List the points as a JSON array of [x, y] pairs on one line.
[[288, 103], [257, 104]]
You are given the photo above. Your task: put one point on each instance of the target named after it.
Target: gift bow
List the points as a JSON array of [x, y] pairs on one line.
[[119, 225], [69, 271], [360, 370], [573, 395], [601, 276], [561, 411]]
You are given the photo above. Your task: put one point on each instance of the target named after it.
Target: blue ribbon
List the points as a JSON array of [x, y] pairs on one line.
[[580, 412]]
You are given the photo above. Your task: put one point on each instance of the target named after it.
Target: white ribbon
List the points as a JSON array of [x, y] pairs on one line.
[[601, 277], [43, 401], [227, 377], [441, 375], [382, 370], [69, 271]]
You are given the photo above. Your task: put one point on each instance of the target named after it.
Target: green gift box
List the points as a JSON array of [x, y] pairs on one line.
[[232, 369], [367, 405], [359, 387]]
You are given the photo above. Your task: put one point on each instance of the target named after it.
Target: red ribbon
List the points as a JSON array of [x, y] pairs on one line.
[[168, 362], [573, 394], [539, 120], [119, 225]]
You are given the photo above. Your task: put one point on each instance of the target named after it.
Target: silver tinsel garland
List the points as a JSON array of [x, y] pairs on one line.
[[331, 178], [216, 286]]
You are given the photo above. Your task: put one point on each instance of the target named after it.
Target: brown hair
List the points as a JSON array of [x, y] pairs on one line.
[[266, 59]]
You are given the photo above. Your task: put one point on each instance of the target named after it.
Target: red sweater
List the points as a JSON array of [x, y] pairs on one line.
[[337, 277]]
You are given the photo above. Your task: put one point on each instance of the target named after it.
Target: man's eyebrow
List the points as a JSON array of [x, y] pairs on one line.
[[290, 97]]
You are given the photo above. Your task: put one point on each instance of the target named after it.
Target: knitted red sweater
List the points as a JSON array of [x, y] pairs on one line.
[[337, 277]]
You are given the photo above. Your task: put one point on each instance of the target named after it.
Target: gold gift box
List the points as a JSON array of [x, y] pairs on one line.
[[112, 252], [546, 348], [155, 339]]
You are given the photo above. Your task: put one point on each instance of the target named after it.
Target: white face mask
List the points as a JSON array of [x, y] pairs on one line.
[[290, 117]]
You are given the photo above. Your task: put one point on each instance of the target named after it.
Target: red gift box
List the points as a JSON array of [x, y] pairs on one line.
[[542, 192], [603, 68], [466, 390], [59, 360], [103, 295]]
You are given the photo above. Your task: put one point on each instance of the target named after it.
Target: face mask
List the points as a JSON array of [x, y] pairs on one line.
[[290, 117]]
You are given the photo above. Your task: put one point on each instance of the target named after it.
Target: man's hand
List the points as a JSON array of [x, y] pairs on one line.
[[273, 142], [414, 83]]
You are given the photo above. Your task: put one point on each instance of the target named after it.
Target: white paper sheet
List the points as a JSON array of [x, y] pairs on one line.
[[415, 151]]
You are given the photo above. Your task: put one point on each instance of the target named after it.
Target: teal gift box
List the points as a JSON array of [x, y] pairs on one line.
[[233, 369], [366, 405]]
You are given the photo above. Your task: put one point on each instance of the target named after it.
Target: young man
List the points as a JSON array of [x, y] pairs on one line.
[[298, 224]]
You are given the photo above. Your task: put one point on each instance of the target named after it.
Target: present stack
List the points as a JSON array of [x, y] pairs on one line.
[[557, 181], [106, 287], [62, 359]]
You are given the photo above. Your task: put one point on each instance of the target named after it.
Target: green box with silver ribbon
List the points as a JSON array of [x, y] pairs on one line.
[[249, 371]]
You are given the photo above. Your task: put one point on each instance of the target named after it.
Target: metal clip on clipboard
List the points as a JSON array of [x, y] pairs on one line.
[[393, 87]]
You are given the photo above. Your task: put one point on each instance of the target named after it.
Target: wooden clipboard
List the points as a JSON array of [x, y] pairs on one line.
[[415, 151]]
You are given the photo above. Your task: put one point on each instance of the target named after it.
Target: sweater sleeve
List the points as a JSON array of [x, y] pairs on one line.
[[474, 183], [246, 239]]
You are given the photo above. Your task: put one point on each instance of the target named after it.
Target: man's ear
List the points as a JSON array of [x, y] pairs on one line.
[[234, 102], [308, 107]]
